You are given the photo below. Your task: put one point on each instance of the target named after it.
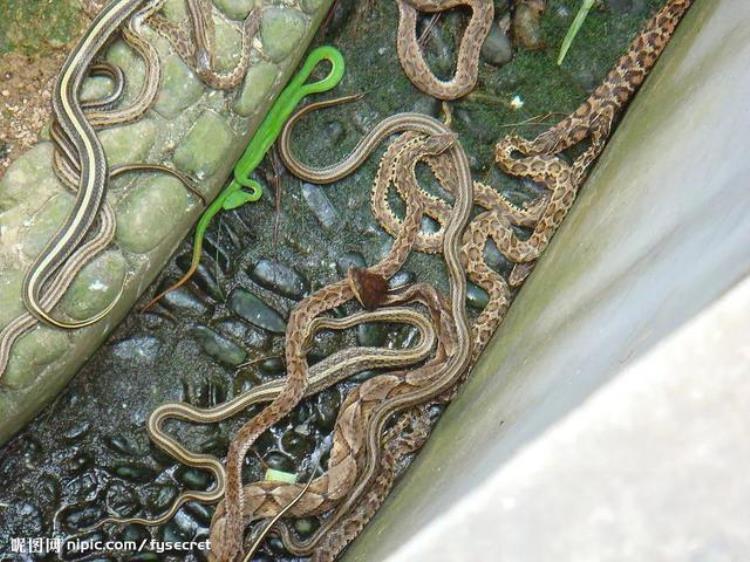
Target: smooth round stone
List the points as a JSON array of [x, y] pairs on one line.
[[219, 347], [147, 213], [184, 301], [272, 366], [134, 533], [134, 472], [122, 445], [494, 257], [306, 526], [193, 478], [279, 278], [132, 66], [205, 147], [227, 46], [281, 30], [175, 10], [96, 286], [372, 334], [32, 353], [497, 48], [310, 6], [95, 88], [28, 180], [350, 259], [402, 279], [256, 88], [199, 512], [246, 305], [236, 9], [77, 432], [10, 289], [180, 88], [476, 297], [320, 205], [128, 144], [140, 349], [46, 222]]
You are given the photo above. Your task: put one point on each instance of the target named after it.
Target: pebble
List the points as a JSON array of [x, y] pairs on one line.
[[526, 24], [182, 301], [134, 472], [372, 334], [349, 259], [249, 307], [476, 297], [279, 278], [180, 88], [497, 48], [122, 445], [193, 478], [402, 279], [320, 205], [256, 88], [280, 31], [77, 432], [144, 349], [219, 347], [204, 149]]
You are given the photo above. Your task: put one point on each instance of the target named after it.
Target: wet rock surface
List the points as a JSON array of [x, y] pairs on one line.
[[223, 333]]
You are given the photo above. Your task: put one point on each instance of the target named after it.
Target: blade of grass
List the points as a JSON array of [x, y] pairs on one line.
[[583, 11]]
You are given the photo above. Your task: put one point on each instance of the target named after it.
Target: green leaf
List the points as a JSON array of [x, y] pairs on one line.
[[574, 28]]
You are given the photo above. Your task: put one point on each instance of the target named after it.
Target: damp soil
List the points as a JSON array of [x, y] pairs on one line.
[[88, 454]]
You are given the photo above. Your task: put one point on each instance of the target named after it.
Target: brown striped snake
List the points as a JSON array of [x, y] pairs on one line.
[[80, 164]]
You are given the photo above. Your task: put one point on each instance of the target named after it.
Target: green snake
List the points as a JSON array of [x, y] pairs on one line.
[[242, 189]]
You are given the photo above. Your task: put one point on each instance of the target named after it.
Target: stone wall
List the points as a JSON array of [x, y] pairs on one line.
[[193, 128]]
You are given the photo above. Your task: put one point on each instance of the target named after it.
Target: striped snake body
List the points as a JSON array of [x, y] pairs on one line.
[[92, 184]]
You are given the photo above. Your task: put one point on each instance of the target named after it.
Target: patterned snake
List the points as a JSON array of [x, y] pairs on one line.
[[410, 53], [539, 161], [367, 471]]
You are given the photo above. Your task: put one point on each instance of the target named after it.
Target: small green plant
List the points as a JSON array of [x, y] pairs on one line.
[[574, 28]]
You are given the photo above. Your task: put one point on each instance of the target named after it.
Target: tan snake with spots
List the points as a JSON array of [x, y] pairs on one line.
[[541, 162], [467, 68]]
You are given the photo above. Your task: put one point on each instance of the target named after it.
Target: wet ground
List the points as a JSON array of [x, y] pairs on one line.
[[88, 454]]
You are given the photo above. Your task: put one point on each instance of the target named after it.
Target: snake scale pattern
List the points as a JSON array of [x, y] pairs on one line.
[[387, 418]]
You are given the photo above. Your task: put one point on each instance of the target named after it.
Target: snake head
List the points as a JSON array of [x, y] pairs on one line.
[[437, 144], [369, 288]]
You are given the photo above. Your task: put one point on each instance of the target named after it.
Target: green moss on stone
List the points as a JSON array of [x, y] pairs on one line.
[[148, 213], [205, 146]]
